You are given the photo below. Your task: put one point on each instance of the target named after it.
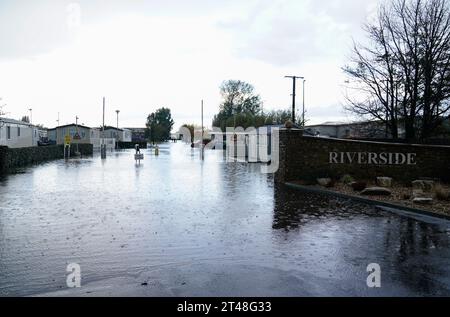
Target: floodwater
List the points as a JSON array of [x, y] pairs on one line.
[[176, 226]]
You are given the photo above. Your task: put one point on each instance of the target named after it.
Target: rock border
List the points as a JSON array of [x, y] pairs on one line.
[[366, 200]]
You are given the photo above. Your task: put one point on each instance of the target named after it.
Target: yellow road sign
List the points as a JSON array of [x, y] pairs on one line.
[[67, 140]]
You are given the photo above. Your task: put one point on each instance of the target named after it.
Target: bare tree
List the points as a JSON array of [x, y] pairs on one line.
[[403, 74]]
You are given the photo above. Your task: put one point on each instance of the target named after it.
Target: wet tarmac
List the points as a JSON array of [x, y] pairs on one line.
[[176, 226]]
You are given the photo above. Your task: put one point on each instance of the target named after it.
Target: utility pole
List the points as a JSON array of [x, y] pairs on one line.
[[117, 111], [78, 135], [294, 79], [31, 115], [203, 150], [103, 145], [117, 143]]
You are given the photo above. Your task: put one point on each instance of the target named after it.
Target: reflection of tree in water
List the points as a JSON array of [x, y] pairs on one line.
[[293, 208], [415, 247]]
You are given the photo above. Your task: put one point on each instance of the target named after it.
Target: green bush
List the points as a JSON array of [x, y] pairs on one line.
[[347, 179]]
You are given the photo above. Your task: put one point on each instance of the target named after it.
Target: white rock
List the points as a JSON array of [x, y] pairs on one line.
[[384, 181], [418, 193], [423, 185], [423, 201], [326, 182], [376, 191]]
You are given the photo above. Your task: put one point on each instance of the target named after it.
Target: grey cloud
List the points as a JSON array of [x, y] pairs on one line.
[[283, 32]]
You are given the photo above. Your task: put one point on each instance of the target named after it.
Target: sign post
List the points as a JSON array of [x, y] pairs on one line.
[[67, 141]]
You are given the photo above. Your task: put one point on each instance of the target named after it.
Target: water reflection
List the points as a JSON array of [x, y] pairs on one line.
[[413, 252]]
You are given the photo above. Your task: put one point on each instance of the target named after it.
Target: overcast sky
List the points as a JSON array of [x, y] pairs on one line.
[[142, 55]]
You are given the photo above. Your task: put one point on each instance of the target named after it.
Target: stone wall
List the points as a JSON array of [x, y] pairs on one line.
[[20, 157], [308, 158]]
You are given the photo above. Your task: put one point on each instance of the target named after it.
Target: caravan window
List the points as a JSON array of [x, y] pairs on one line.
[[18, 131], [8, 132]]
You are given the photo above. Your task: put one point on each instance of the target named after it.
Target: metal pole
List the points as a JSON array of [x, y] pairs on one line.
[[117, 145], [202, 153], [103, 146], [31, 115], [103, 126], [294, 78], [76, 125], [293, 100], [303, 116]]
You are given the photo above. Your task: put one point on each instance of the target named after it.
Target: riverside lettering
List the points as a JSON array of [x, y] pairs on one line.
[[370, 158]]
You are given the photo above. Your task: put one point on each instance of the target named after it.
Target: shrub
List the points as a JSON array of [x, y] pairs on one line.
[[347, 179]]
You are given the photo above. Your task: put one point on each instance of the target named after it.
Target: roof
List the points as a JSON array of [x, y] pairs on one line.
[[7, 120], [71, 125], [331, 123], [136, 129], [265, 128], [340, 123], [114, 128]]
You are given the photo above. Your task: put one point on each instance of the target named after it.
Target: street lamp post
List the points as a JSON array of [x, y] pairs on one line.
[[77, 134], [31, 115], [103, 145], [117, 141]]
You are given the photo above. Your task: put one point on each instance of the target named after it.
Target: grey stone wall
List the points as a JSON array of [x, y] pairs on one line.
[[308, 158], [20, 157]]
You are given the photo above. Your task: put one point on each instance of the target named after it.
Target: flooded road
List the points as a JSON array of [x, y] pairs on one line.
[[176, 226]]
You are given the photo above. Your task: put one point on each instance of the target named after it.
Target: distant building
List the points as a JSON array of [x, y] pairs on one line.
[[253, 144], [78, 134], [121, 135], [353, 130], [137, 134], [18, 134]]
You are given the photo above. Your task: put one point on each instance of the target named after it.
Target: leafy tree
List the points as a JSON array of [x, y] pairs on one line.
[[159, 125], [25, 119], [280, 117], [240, 103]]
